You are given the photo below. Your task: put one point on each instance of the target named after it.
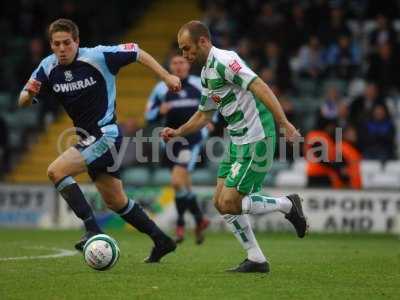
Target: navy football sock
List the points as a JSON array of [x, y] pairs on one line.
[[194, 208], [69, 189], [181, 206], [134, 214]]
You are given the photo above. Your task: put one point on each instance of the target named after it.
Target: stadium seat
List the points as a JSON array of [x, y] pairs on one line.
[[340, 85], [5, 100], [291, 179], [382, 180], [396, 25], [356, 87], [161, 177], [15, 139], [278, 166], [269, 180], [21, 119], [203, 177], [306, 87], [136, 176], [369, 168], [392, 166], [299, 165]]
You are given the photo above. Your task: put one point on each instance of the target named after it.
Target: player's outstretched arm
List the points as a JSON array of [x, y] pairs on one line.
[[264, 93], [30, 90], [173, 82], [194, 124]]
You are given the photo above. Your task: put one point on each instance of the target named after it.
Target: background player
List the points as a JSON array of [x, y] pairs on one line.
[[246, 103], [83, 80], [174, 109]]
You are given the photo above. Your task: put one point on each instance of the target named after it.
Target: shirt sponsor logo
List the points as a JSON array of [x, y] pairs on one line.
[[184, 103], [216, 99], [235, 66], [74, 86]]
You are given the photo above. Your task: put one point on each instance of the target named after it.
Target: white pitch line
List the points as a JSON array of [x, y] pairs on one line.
[[59, 253]]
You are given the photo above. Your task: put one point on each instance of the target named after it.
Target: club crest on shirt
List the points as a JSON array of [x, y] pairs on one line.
[[235, 66], [68, 75], [182, 94]]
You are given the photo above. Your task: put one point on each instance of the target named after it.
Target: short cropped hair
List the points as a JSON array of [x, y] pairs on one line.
[[196, 30], [64, 25]]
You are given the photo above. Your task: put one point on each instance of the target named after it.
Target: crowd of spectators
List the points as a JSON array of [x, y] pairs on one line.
[[320, 50], [24, 23]]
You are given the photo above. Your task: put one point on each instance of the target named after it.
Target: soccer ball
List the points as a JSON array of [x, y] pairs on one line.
[[101, 252]]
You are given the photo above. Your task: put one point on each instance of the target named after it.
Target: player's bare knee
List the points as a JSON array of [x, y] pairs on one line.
[[224, 208], [177, 184], [229, 206], [53, 174]]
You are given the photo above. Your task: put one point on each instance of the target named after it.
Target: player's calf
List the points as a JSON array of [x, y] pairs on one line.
[[70, 191]]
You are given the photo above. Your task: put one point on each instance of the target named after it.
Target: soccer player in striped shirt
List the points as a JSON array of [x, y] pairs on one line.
[[251, 110]]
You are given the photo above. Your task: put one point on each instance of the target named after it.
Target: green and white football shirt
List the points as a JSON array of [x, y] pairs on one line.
[[225, 80]]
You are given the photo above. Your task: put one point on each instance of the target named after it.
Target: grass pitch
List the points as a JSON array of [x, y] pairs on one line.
[[318, 267]]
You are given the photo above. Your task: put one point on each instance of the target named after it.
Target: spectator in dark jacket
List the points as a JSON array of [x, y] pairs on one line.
[[335, 27], [274, 60], [362, 106], [383, 69], [383, 34], [343, 58], [296, 30], [377, 140], [310, 59]]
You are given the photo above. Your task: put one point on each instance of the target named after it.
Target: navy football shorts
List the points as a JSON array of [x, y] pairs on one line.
[[184, 155], [101, 155]]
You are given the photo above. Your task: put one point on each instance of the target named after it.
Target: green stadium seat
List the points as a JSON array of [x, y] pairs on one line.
[[136, 176], [5, 101], [204, 177], [307, 87], [269, 180], [22, 118], [278, 166], [341, 85], [15, 139], [162, 177]]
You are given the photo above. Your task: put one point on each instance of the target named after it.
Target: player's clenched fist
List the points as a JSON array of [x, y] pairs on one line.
[[291, 133], [33, 86], [168, 133], [173, 82]]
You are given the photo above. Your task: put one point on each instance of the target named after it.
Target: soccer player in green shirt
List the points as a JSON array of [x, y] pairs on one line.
[[251, 111]]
